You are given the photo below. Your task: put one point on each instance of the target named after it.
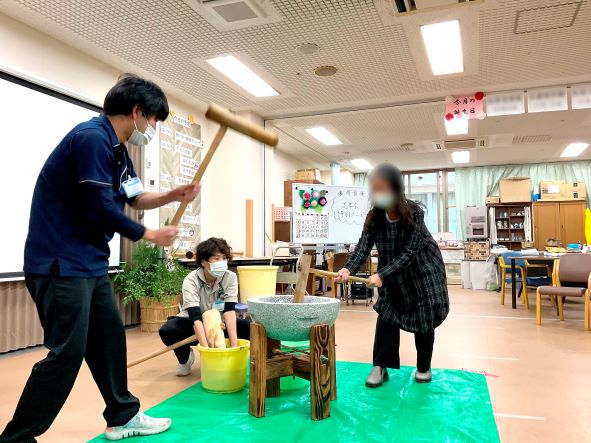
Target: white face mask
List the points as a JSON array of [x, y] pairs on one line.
[[139, 138], [218, 268], [383, 200]]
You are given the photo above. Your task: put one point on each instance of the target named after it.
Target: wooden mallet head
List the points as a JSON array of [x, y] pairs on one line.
[[240, 124]]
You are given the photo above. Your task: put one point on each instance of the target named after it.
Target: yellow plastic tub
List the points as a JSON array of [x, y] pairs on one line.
[[224, 370], [256, 280]]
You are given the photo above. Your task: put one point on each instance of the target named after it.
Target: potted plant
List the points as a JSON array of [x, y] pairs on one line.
[[153, 281]]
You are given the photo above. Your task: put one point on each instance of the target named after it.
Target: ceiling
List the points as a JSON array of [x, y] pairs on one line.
[[508, 44], [405, 135]]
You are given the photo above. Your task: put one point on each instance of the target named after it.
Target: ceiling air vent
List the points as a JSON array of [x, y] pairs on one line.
[[520, 139], [460, 145], [403, 147], [406, 6], [228, 15]]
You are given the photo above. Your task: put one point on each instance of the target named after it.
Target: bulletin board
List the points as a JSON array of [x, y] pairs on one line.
[[180, 156], [328, 214]]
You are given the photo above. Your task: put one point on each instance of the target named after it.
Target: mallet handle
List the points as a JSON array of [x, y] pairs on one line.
[[240, 124], [184, 342], [334, 274], [200, 171]]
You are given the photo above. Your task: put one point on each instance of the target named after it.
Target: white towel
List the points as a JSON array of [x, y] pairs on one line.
[[527, 224], [493, 226]]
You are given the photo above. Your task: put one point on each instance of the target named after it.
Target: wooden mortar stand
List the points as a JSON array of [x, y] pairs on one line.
[[268, 363]]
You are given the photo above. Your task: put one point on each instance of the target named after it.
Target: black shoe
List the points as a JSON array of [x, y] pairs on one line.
[[376, 377]]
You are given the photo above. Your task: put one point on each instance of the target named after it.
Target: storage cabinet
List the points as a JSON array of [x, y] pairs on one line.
[[560, 220], [510, 223]]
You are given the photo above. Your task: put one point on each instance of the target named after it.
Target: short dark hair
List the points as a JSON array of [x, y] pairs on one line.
[[131, 90], [212, 246]]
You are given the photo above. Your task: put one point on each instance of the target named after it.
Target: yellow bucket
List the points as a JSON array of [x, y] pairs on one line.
[[224, 370], [257, 280]]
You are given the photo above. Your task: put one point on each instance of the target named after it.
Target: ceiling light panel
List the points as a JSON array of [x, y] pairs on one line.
[[456, 126], [443, 43], [324, 136], [460, 157], [574, 149], [243, 76], [361, 164]]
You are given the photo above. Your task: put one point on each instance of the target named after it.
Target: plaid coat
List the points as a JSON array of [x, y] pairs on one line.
[[414, 294]]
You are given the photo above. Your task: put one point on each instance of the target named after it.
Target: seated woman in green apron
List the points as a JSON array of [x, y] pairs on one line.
[[410, 277], [211, 286]]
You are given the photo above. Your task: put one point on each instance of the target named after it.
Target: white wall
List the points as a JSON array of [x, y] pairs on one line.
[[235, 175]]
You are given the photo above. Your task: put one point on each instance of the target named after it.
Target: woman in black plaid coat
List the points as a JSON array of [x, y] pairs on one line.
[[411, 275]]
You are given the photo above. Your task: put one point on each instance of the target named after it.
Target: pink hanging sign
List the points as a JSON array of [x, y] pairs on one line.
[[465, 106]]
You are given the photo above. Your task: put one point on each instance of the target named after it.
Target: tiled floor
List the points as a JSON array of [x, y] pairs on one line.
[[539, 377]]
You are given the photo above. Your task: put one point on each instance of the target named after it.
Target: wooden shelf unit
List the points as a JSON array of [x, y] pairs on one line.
[[508, 215]]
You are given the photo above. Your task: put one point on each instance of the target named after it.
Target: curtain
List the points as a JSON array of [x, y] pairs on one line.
[[360, 179], [473, 185]]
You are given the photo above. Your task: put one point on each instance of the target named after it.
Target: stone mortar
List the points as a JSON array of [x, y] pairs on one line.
[[285, 320]]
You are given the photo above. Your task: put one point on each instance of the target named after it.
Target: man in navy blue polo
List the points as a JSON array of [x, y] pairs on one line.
[[77, 207]]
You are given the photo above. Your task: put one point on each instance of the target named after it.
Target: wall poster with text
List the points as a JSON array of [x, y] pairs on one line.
[[180, 156]]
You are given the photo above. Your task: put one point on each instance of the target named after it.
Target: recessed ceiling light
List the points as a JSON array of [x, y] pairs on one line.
[[460, 156], [574, 149], [242, 75], [324, 136], [361, 164], [443, 43], [325, 71], [456, 126]]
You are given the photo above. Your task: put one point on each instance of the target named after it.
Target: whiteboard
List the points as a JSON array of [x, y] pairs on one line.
[[328, 214], [32, 124]]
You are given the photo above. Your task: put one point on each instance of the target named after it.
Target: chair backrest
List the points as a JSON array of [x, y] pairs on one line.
[[340, 259], [574, 268], [505, 256]]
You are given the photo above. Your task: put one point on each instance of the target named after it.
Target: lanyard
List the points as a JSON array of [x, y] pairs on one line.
[[120, 157]]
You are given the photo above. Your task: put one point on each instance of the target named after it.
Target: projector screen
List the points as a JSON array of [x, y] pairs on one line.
[[32, 124]]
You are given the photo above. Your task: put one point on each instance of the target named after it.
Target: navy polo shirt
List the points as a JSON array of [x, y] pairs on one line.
[[81, 177]]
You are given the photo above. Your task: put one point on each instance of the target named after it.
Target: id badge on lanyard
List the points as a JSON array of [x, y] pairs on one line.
[[132, 187]]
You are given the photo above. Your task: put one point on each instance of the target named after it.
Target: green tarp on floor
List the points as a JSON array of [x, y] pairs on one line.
[[454, 407]]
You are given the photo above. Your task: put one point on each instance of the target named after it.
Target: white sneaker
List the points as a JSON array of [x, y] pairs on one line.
[[423, 377], [182, 370], [139, 425]]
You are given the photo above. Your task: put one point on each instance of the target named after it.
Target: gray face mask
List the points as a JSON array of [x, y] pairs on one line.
[[142, 138], [383, 200]]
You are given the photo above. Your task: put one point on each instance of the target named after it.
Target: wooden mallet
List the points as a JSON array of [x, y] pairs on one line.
[[226, 120], [305, 270]]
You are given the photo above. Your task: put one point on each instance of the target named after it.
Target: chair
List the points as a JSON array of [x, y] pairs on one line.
[[573, 270], [521, 267]]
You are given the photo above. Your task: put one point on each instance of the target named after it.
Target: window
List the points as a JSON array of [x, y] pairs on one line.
[[436, 192]]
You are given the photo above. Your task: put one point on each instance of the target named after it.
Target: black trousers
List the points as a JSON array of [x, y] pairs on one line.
[[178, 328], [386, 352], [80, 321]]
